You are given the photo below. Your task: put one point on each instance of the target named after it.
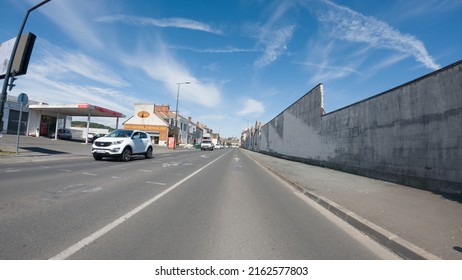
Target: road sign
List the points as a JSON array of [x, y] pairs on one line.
[[23, 99]]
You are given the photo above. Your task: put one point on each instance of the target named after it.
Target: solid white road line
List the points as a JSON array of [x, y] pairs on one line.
[[99, 233]]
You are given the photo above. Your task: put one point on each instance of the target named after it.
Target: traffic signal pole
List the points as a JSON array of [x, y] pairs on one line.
[[10, 63]]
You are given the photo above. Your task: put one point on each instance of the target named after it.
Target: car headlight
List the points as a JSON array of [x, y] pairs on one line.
[[117, 142]]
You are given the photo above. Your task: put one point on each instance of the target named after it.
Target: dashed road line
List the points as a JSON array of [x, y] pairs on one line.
[[155, 183], [101, 232]]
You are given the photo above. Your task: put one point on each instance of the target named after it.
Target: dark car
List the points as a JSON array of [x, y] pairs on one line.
[[96, 136]]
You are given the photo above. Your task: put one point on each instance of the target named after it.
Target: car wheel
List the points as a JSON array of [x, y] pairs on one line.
[[97, 157], [148, 153], [126, 154]]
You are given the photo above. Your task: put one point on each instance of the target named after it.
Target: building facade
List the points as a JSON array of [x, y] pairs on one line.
[[145, 118]]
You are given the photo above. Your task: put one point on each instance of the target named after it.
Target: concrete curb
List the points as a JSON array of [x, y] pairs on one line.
[[396, 244]]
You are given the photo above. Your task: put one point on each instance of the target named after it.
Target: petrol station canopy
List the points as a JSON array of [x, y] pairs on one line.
[[80, 109]]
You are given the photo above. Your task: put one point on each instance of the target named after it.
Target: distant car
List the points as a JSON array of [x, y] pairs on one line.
[[206, 145], [122, 143], [95, 136], [62, 134], [218, 146], [90, 136]]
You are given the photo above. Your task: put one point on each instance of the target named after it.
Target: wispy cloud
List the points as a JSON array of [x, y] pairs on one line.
[[272, 36], [387, 61], [417, 8], [164, 22], [251, 107], [41, 87], [223, 50], [163, 67], [56, 61], [346, 24], [323, 65], [74, 19], [275, 44], [325, 72]]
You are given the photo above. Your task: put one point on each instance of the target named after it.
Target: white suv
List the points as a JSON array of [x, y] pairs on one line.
[[206, 145], [122, 143]]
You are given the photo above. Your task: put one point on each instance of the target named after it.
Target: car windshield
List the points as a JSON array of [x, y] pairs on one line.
[[120, 133]]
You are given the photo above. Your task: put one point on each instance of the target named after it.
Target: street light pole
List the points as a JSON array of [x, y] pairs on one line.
[[10, 62], [176, 111]]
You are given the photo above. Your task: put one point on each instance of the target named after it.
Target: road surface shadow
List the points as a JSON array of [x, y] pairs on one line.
[[43, 150]]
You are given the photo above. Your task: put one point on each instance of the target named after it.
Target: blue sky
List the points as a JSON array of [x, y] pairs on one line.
[[246, 60]]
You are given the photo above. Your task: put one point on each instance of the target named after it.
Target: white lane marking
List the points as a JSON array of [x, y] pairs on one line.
[[117, 177], [94, 189], [101, 232], [12, 170], [237, 159], [155, 183], [121, 166], [65, 170], [144, 170], [90, 174]]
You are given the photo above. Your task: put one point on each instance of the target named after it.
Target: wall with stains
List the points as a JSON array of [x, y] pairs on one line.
[[411, 134]]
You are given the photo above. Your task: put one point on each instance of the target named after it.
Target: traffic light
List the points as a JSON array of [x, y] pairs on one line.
[[12, 79]]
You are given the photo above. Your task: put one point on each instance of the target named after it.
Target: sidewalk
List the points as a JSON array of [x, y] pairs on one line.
[[32, 149], [415, 224]]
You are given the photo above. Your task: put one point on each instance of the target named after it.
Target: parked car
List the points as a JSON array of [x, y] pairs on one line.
[[92, 137], [62, 134], [122, 143], [206, 145]]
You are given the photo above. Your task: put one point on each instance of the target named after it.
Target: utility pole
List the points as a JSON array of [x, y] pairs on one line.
[[176, 112]]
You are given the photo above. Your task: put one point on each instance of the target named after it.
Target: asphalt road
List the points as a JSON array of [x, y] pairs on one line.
[[188, 205]]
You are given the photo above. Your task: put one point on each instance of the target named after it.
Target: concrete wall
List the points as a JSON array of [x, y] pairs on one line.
[[411, 134]]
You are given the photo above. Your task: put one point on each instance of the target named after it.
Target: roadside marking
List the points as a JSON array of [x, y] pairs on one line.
[[94, 189], [12, 170], [155, 183], [121, 166], [101, 232]]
